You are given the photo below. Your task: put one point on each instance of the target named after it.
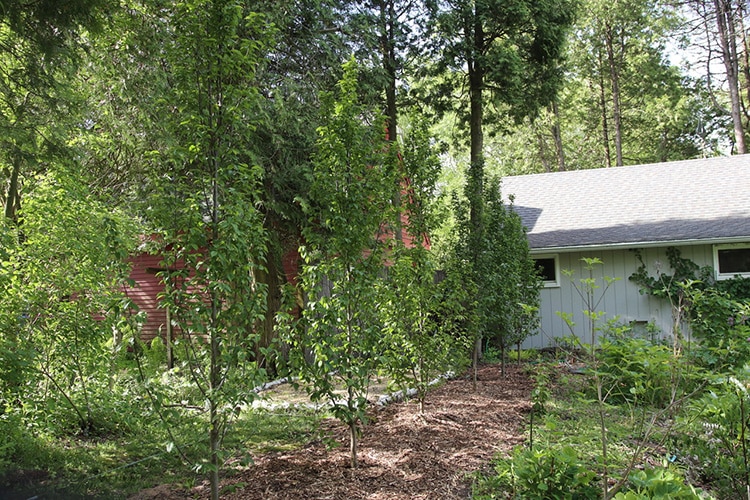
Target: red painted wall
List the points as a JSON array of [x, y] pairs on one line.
[[145, 294]]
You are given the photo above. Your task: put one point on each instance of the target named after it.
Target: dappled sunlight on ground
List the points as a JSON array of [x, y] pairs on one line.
[[403, 455]]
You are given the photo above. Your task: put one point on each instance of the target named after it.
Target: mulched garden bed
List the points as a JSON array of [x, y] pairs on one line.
[[402, 454]]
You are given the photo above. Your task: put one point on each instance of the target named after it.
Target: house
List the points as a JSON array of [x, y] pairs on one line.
[[701, 207]]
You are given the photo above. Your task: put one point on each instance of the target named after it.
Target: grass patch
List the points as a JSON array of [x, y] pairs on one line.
[[115, 466], [261, 430]]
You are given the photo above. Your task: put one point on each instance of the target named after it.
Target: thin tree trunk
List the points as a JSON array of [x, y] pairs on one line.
[[543, 152], [476, 158], [728, 45], [475, 363], [605, 121], [474, 33], [388, 54], [353, 443], [168, 339], [556, 133], [745, 68], [214, 434], [614, 75], [214, 380], [11, 200], [502, 359], [271, 277], [214, 438]]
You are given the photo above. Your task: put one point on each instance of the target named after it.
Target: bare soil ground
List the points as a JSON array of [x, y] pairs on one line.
[[402, 454]]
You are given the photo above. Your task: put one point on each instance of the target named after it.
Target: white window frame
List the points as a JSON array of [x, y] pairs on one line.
[[733, 246], [556, 258]]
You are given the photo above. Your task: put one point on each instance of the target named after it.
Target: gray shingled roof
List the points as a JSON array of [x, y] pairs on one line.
[[706, 200]]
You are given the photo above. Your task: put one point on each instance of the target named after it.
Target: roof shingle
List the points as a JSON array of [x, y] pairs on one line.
[[670, 203]]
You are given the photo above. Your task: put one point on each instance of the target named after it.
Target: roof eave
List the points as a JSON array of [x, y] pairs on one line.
[[640, 244]]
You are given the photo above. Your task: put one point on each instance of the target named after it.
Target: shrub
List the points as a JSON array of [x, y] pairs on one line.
[[661, 483], [721, 325], [637, 371], [718, 436], [539, 474]]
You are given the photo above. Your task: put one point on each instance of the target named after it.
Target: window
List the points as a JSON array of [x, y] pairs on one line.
[[548, 268], [731, 260]]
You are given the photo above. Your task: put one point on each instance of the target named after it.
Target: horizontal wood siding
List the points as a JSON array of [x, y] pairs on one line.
[[145, 295], [622, 300]]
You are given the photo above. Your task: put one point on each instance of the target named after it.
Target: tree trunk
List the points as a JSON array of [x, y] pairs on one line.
[[388, 53], [12, 198], [543, 151], [502, 359], [353, 443], [474, 34], [745, 68], [605, 122], [475, 362], [476, 157], [556, 133], [214, 376], [728, 44], [614, 75], [271, 276], [168, 338], [214, 443]]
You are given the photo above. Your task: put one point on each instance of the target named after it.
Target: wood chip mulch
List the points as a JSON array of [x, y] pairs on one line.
[[402, 455]]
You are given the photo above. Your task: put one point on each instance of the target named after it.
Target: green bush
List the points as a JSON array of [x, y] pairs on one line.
[[717, 435], [539, 474], [720, 323], [662, 483], [637, 371]]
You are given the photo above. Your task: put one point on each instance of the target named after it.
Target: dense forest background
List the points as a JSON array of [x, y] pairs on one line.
[[90, 84]]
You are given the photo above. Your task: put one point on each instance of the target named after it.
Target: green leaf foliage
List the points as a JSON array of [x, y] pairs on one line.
[[60, 276], [423, 336], [205, 204], [504, 273], [349, 204], [539, 474]]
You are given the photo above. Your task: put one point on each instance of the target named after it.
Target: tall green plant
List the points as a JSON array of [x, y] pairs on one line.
[[592, 294], [422, 337], [207, 205], [498, 268], [718, 430], [715, 311], [353, 176], [721, 325], [507, 277], [58, 278], [672, 287], [588, 289], [622, 363]]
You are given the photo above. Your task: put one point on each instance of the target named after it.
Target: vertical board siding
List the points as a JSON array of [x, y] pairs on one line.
[[622, 300]]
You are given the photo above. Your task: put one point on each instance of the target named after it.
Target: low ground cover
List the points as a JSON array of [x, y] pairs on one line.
[[302, 454], [672, 430], [634, 420]]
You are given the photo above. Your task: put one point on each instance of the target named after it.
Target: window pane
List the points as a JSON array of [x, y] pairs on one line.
[[734, 261], [546, 269]]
